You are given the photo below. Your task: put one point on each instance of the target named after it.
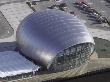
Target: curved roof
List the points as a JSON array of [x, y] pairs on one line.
[[43, 34], [12, 63]]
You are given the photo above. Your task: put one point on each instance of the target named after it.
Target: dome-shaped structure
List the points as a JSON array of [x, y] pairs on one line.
[[55, 39]]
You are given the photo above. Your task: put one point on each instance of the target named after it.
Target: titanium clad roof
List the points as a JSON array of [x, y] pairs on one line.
[[43, 34], [12, 63]]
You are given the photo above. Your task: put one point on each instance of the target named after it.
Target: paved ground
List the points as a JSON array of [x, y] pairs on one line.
[[2, 2], [5, 28]]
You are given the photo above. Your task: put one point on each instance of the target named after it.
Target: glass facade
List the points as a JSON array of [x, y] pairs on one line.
[[72, 57]]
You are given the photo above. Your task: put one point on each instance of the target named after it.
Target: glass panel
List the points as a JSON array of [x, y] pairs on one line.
[[72, 57]]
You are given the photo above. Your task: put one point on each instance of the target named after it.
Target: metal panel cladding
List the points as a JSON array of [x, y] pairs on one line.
[[44, 34]]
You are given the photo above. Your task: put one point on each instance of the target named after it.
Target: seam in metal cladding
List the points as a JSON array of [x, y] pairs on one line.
[[55, 39]]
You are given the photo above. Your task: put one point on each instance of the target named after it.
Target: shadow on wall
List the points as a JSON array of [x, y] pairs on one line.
[[7, 46], [102, 47]]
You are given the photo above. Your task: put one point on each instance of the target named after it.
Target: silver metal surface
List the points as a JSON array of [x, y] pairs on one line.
[[42, 35]]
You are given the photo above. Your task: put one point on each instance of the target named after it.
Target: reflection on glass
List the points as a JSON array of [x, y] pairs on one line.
[[73, 57]]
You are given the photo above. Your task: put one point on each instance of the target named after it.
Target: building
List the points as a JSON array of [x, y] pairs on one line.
[[14, 66], [55, 39]]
